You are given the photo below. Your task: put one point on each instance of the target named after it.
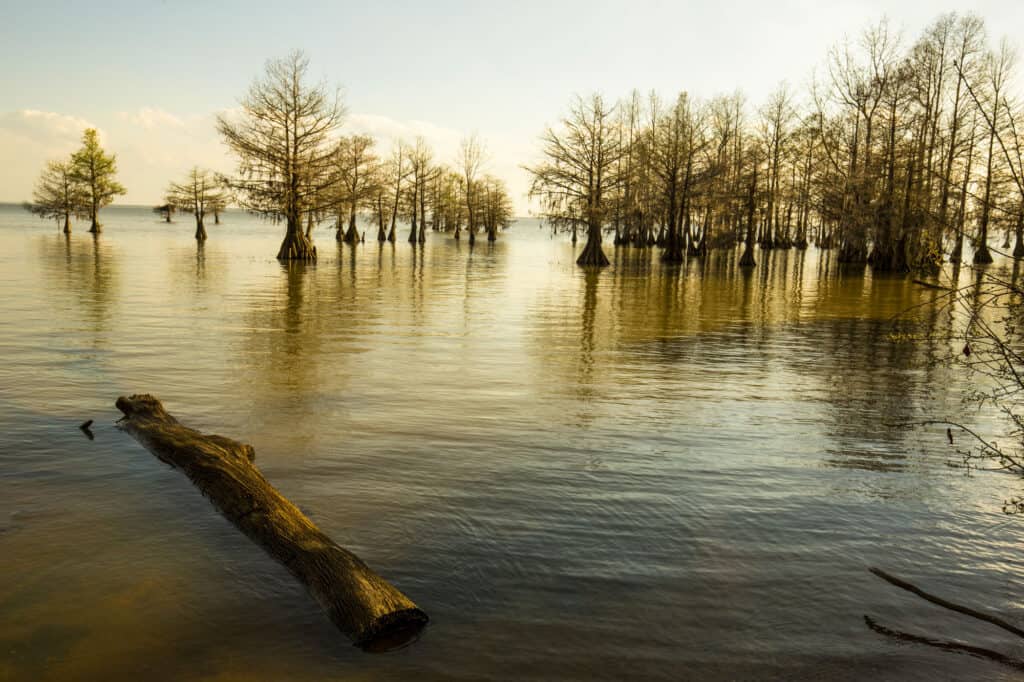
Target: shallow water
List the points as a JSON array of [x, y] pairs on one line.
[[650, 472]]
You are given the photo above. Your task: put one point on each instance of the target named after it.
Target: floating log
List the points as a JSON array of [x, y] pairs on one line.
[[372, 612]]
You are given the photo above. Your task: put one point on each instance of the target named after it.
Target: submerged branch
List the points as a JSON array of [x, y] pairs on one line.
[[939, 601], [945, 645]]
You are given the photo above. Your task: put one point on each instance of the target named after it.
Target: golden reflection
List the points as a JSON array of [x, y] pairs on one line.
[[84, 274]]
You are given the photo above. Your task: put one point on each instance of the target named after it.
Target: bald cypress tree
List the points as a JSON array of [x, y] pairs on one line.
[[198, 194], [58, 195], [94, 170], [578, 174], [285, 159]]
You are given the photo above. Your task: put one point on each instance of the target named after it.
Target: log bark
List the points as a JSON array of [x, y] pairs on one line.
[[372, 612]]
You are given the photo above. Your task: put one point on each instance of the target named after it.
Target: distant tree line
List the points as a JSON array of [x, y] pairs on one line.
[[294, 168], [890, 157], [77, 187]]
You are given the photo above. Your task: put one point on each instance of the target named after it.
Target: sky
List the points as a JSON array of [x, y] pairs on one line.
[[152, 75]]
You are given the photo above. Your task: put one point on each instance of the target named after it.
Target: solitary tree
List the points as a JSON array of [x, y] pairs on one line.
[[358, 178], [199, 192], [578, 172], [472, 158], [94, 170], [57, 195], [395, 172], [219, 202], [281, 139], [165, 211]]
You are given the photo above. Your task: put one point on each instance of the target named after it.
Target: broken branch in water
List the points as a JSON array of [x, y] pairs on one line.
[[959, 608], [372, 612], [945, 644], [939, 601]]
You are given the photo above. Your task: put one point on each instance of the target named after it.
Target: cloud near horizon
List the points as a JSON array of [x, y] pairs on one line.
[[154, 147]]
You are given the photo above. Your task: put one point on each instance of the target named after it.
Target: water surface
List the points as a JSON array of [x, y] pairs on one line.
[[647, 472]]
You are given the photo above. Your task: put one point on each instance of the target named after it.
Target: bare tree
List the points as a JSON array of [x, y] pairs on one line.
[[997, 70], [578, 172], [358, 177], [282, 139], [165, 211], [471, 155], [197, 194], [58, 196], [395, 171], [420, 158]]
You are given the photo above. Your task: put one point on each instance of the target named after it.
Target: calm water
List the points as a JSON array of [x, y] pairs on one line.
[[647, 472]]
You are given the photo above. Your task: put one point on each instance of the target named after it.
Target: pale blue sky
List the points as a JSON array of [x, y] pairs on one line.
[[151, 75]]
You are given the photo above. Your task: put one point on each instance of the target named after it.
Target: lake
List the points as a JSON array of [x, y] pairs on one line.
[[651, 472]]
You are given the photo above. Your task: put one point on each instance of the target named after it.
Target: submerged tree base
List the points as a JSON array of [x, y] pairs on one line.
[[297, 246], [982, 256], [593, 255], [747, 259], [351, 235]]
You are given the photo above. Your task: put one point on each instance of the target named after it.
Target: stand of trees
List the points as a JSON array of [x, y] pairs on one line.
[[294, 168], [79, 187], [890, 156]]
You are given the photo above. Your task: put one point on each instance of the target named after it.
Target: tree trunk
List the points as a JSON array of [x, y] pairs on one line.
[[352, 235], [200, 230], [1018, 249], [592, 253], [67, 224], [981, 253], [364, 606], [747, 259], [296, 245]]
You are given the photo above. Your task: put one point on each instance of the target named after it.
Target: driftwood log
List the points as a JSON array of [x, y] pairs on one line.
[[372, 612]]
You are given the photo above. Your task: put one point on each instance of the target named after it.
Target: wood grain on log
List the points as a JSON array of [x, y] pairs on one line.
[[372, 612]]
